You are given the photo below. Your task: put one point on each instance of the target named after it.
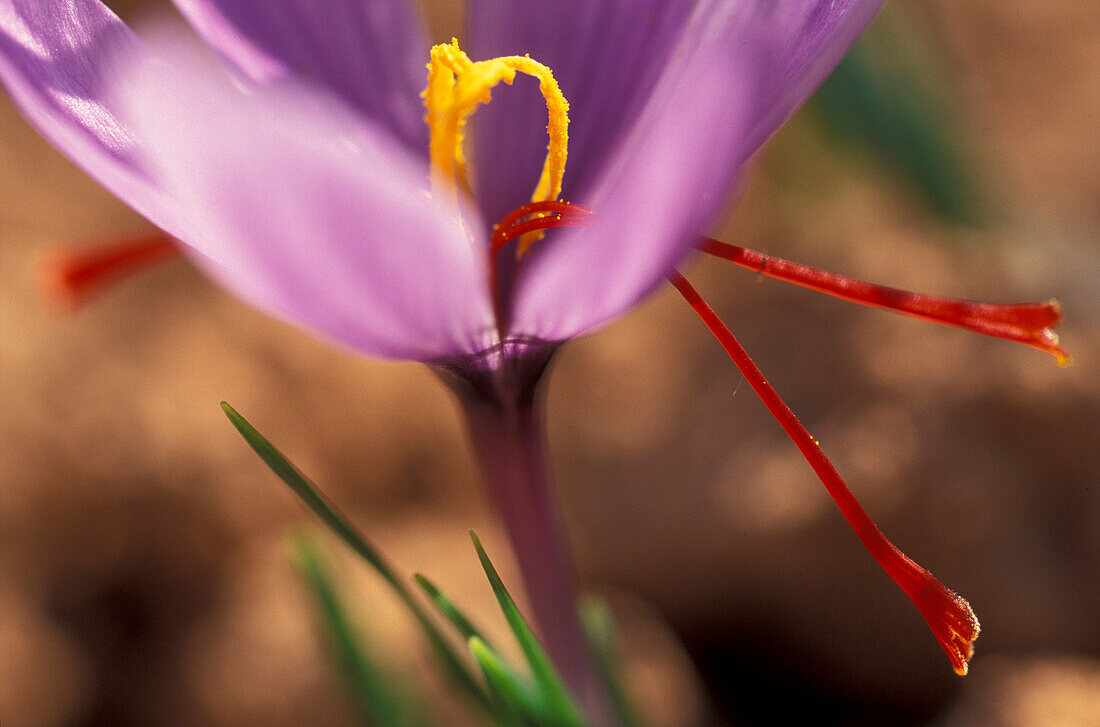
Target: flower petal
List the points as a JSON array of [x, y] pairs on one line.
[[606, 55], [53, 57], [304, 211], [665, 182], [807, 40], [370, 53], [715, 103]]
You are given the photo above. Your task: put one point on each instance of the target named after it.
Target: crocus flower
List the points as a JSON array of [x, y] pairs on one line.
[[300, 173]]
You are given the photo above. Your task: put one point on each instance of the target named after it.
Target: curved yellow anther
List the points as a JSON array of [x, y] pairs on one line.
[[456, 87]]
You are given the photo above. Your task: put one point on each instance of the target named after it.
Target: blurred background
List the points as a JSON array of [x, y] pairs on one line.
[[144, 576]]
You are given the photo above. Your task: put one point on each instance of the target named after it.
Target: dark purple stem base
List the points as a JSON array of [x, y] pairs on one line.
[[498, 395]]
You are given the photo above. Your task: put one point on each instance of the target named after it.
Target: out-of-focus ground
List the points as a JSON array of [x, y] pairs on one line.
[[143, 569]]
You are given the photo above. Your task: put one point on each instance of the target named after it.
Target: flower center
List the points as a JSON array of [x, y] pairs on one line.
[[456, 87]]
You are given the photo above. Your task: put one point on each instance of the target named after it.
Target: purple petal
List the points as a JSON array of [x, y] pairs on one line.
[[716, 102], [805, 40], [53, 57], [302, 210], [371, 53], [606, 55]]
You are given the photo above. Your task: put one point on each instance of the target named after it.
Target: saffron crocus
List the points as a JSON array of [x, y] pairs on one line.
[[299, 172]]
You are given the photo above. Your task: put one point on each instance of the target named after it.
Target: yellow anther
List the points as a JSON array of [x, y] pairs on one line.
[[456, 87]]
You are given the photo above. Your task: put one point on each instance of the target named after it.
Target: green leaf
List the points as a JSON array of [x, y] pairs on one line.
[[379, 702], [880, 105], [450, 611], [599, 627], [342, 527], [515, 705], [559, 704], [311, 496]]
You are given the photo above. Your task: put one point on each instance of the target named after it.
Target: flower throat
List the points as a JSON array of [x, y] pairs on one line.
[[456, 87]]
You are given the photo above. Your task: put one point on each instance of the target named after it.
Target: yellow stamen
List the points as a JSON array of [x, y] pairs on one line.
[[456, 87]]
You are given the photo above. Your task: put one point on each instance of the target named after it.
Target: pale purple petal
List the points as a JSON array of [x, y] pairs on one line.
[[53, 57], [805, 42], [728, 83], [307, 213], [665, 182], [371, 53], [606, 55]]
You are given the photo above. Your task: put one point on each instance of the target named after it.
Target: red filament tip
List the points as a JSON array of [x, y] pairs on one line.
[[527, 218], [1029, 323], [949, 616], [71, 277], [537, 216]]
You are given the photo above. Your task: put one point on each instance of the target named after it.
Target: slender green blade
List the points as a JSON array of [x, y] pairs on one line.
[[311, 496], [880, 106], [599, 627], [450, 611], [515, 704], [342, 527], [380, 704], [559, 704]]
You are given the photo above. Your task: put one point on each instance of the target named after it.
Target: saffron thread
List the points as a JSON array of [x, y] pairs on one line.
[[1028, 323], [533, 217], [948, 615], [71, 277]]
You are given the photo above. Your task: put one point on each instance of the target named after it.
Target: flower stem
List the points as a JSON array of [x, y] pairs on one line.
[[505, 419], [510, 449]]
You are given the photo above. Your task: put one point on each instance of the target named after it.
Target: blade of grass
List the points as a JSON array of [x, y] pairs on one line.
[[342, 527], [450, 611], [559, 704], [882, 107], [378, 701], [599, 627], [516, 705]]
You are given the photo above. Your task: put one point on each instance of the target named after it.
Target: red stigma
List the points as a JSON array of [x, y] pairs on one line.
[[1029, 323], [537, 216], [71, 277], [949, 616], [531, 217]]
